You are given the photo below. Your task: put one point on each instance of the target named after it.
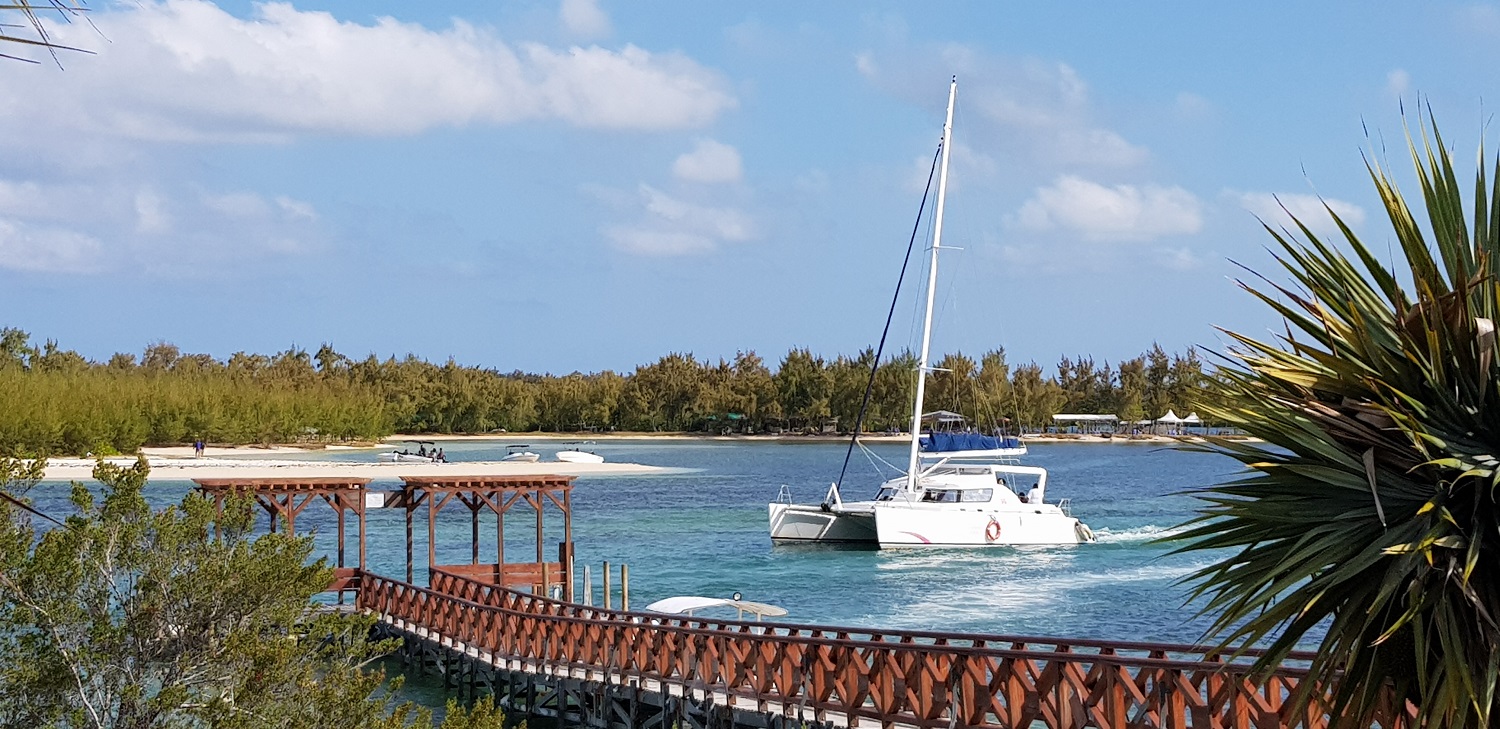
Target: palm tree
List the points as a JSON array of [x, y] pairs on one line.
[[38, 35], [1369, 520]]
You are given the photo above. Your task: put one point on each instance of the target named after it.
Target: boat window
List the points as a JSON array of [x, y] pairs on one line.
[[979, 495], [885, 495], [941, 495]]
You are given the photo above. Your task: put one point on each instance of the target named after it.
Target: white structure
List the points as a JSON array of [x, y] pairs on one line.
[[958, 487], [1090, 423]]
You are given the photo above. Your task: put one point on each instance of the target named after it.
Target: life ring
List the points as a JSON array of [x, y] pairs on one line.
[[992, 531]]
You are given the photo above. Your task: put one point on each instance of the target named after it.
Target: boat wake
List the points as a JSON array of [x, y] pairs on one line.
[[1137, 534]]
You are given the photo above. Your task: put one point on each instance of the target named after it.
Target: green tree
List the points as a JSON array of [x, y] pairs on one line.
[[1371, 511], [122, 617], [950, 386], [805, 387]]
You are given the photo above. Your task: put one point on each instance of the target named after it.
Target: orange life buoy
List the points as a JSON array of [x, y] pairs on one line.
[[992, 532]]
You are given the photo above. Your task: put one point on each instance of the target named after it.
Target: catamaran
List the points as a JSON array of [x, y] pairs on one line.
[[959, 489]]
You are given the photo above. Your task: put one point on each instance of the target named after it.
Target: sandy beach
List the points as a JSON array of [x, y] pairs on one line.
[[180, 469], [177, 463], [520, 438]]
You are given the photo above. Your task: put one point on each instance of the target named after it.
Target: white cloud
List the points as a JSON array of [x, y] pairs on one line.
[[237, 205], [1179, 259], [710, 161], [107, 226], [671, 226], [584, 18], [1273, 209], [1397, 82], [1121, 212], [49, 249], [1481, 18], [150, 211], [1040, 109], [185, 70], [296, 208]]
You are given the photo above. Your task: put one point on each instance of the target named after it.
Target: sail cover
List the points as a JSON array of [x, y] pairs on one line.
[[950, 442]]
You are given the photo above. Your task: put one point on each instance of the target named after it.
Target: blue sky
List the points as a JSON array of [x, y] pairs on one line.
[[588, 185]]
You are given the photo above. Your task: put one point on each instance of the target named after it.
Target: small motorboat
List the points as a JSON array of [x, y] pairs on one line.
[[574, 455], [519, 454], [687, 605], [423, 454]]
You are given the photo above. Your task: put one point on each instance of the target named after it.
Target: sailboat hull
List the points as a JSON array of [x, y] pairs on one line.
[[811, 523], [899, 525], [914, 526]]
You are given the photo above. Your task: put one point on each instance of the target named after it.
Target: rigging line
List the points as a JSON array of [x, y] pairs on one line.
[[872, 457], [880, 349]]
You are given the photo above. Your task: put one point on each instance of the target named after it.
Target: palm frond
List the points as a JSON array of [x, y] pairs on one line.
[[1368, 519]]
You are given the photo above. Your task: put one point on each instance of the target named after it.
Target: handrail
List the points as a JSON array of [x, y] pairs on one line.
[[885, 676], [457, 584]]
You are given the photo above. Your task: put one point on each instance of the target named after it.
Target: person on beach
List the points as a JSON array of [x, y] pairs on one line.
[[198, 448]]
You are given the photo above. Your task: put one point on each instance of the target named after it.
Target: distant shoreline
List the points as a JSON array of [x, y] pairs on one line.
[[770, 438]]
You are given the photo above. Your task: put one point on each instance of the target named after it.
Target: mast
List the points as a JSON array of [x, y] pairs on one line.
[[937, 240]]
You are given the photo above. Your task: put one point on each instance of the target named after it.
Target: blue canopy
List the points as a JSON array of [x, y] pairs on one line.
[[949, 442]]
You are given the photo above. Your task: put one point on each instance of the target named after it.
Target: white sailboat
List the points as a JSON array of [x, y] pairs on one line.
[[960, 489]]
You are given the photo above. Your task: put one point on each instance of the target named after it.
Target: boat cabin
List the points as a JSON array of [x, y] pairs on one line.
[[958, 483]]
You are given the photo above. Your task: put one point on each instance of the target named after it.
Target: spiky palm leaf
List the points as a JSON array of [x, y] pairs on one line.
[[1370, 512], [40, 38]]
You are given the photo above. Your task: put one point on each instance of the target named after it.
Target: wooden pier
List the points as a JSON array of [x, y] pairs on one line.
[[612, 669]]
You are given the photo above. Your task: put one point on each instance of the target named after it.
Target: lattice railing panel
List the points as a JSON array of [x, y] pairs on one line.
[[907, 677]]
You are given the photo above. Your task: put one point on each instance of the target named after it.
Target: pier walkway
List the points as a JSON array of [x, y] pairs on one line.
[[573, 661], [490, 627]]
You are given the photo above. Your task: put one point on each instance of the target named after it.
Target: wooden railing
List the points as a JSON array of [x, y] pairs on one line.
[[886, 677]]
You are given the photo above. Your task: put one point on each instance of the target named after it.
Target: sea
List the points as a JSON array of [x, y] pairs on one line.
[[700, 528]]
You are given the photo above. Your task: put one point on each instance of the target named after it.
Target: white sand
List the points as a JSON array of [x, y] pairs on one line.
[[179, 469]]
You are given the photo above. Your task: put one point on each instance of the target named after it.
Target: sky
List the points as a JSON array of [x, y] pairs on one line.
[[590, 185]]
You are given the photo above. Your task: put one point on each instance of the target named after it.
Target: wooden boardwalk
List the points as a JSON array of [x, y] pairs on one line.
[[488, 627], [604, 668]]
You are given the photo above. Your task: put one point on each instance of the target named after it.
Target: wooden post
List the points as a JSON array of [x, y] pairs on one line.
[[541, 555], [625, 587], [338, 508], [606, 585], [565, 559], [545, 579], [409, 508], [362, 507], [588, 587], [431, 535], [474, 530]]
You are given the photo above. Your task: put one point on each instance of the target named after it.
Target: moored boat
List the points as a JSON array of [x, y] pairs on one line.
[[959, 488]]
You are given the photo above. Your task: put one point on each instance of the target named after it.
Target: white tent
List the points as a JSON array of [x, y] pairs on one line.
[[1193, 419], [1169, 419]]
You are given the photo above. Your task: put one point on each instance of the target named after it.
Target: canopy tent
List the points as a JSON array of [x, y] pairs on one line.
[[942, 416], [1169, 419], [1193, 419]]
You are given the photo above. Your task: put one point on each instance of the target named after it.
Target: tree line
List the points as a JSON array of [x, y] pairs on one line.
[[60, 402]]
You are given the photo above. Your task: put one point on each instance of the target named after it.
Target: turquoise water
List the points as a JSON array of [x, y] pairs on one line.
[[701, 530]]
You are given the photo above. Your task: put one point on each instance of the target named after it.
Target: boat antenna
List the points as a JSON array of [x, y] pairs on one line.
[[937, 244], [864, 404]]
